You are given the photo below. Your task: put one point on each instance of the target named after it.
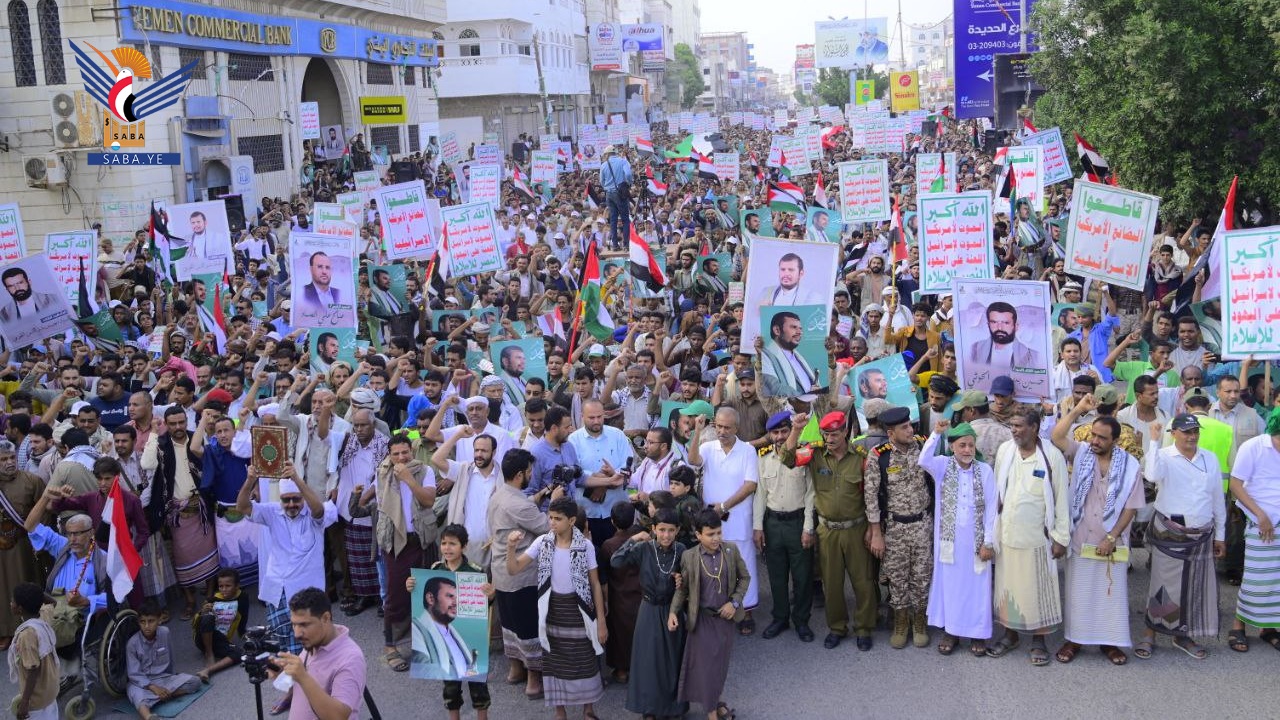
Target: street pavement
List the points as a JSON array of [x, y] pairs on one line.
[[785, 678]]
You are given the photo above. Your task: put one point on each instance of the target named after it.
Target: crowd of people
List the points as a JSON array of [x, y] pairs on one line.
[[628, 507]]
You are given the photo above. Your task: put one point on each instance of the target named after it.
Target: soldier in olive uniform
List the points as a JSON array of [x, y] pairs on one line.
[[783, 526], [905, 545], [836, 472]]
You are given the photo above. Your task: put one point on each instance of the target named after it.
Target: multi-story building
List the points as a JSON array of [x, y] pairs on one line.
[[237, 125], [725, 60], [686, 22]]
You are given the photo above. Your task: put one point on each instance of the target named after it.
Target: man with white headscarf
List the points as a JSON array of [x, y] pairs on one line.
[[493, 389], [476, 409]]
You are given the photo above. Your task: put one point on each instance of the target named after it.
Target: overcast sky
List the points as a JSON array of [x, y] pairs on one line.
[[775, 34]]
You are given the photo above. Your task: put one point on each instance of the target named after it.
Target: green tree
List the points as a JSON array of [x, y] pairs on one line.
[[688, 72], [832, 87], [1178, 95]]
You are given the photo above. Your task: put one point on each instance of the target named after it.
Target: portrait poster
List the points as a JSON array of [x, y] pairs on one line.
[[30, 309], [447, 319], [68, 254], [757, 222], [794, 357], [885, 379], [1027, 163], [955, 239], [515, 361], [449, 629], [473, 243], [1109, 234], [410, 220], [863, 187], [333, 141], [1250, 294], [330, 345], [491, 315], [388, 287], [1003, 328], [13, 243], [590, 142], [1056, 166], [823, 225], [726, 213], [199, 229], [787, 273], [929, 167], [322, 281]]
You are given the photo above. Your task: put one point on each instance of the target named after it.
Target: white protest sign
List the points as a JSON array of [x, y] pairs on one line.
[[489, 154], [1109, 233], [410, 220], [542, 168], [65, 250], [486, 185], [797, 156], [13, 243], [955, 239], [1054, 159], [929, 168], [864, 191], [473, 244], [728, 166], [331, 219], [366, 180], [1027, 163], [353, 204], [309, 120], [1250, 269], [450, 150]]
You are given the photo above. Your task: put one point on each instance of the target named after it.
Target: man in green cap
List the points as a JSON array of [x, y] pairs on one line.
[[966, 505], [1097, 332], [973, 409]]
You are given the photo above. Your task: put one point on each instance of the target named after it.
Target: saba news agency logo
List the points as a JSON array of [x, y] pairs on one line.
[[127, 102]]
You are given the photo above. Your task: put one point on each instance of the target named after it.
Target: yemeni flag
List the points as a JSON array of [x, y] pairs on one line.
[[521, 184], [1096, 168], [896, 236], [706, 167], [1001, 156], [644, 266], [552, 323], [820, 192], [644, 145], [595, 316], [755, 165], [828, 136], [1212, 260], [657, 188], [940, 182], [123, 560], [442, 255], [786, 196], [1028, 127]]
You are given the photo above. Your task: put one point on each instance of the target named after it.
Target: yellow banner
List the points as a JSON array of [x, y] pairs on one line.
[[383, 110], [905, 91]]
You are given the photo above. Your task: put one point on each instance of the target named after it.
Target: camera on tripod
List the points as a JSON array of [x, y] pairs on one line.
[[563, 475], [259, 646]]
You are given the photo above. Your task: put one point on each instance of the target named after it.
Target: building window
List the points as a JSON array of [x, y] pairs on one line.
[[469, 49], [525, 50], [189, 55], [388, 135], [376, 74], [249, 68], [414, 145], [937, 36], [410, 75], [24, 63], [267, 151], [467, 34], [55, 70]]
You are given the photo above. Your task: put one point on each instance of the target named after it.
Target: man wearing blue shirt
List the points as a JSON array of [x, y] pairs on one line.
[[79, 567], [602, 452], [552, 450], [1099, 333], [615, 178]]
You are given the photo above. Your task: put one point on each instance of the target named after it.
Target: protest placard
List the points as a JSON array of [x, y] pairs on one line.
[[1109, 234], [955, 239], [309, 120], [366, 180], [784, 273], [728, 166], [473, 244], [330, 345], [410, 225], [793, 359], [322, 281], [65, 252], [450, 149], [353, 204], [489, 154], [449, 634], [331, 219], [30, 309], [929, 166], [1250, 304], [812, 136], [1027, 163], [516, 362], [13, 242], [486, 184], [542, 168], [1002, 329], [884, 379], [864, 191], [796, 152], [617, 134], [1057, 168]]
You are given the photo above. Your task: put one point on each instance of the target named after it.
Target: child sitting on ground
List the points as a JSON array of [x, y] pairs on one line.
[[221, 619], [149, 663]]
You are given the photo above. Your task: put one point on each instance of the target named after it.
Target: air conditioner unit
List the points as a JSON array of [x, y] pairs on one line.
[[44, 171], [76, 120]]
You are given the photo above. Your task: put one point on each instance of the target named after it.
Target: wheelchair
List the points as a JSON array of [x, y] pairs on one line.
[[97, 656]]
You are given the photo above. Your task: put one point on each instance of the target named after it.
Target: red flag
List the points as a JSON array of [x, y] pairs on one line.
[[1028, 126], [123, 560], [896, 235], [820, 191]]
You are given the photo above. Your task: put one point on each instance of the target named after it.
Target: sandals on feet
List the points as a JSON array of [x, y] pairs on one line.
[[1038, 654], [978, 648], [947, 644], [1067, 652], [1270, 637], [747, 627], [1190, 647], [1238, 641], [394, 661], [1144, 649], [1003, 647], [1115, 655], [724, 712]]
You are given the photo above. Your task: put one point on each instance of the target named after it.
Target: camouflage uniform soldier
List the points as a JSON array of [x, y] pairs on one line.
[[905, 545]]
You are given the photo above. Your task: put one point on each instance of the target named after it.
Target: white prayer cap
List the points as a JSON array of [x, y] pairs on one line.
[[288, 487], [490, 381], [732, 240], [365, 399], [476, 400], [452, 299], [271, 409], [78, 406], [873, 307], [480, 328], [889, 290]]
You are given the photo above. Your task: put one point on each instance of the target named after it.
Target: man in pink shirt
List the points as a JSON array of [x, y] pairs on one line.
[[329, 675]]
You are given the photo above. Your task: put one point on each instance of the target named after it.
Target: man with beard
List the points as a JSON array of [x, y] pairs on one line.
[[362, 451], [752, 224], [872, 384], [788, 290], [469, 486], [476, 409], [25, 306], [873, 280], [709, 284], [1003, 351], [512, 362], [818, 224], [786, 372], [19, 492], [602, 451], [436, 644], [752, 415], [326, 353]]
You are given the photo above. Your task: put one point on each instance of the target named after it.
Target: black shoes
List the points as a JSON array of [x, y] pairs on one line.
[[832, 641], [804, 633], [864, 642], [774, 630]]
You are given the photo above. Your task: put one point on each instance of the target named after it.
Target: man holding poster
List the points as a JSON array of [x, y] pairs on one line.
[[1109, 234], [1003, 329]]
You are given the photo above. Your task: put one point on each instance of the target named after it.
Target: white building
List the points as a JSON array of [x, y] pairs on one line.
[[686, 22], [512, 67], [236, 125]]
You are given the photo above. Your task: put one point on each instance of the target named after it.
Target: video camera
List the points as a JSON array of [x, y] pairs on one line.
[[562, 475], [259, 647]]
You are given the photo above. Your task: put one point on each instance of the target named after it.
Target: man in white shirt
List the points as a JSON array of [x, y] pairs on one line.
[[1255, 483], [655, 468], [469, 485], [476, 409], [1188, 532]]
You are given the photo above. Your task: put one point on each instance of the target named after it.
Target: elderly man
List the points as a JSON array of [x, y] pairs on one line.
[[19, 492], [783, 529], [633, 399], [79, 566], [1105, 495], [1255, 483], [973, 408], [477, 412], [605, 456], [1033, 530], [362, 451], [1187, 532], [730, 474]]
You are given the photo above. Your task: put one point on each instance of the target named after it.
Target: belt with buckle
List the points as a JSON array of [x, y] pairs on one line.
[[784, 515], [656, 600], [839, 524], [908, 519]]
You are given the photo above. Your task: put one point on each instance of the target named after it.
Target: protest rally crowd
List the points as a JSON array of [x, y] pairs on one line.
[[632, 429]]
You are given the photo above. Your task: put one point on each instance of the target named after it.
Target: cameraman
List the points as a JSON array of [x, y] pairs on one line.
[[551, 452], [331, 669]]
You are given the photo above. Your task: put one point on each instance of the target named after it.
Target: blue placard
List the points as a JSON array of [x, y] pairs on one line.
[[984, 28], [168, 22]]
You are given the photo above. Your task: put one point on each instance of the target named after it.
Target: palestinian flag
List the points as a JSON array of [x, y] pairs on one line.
[[681, 151], [521, 184], [595, 316], [786, 196], [940, 182], [1007, 188], [644, 145], [1096, 168], [590, 200], [820, 192], [657, 188], [162, 252], [782, 164], [644, 266], [896, 236], [87, 308]]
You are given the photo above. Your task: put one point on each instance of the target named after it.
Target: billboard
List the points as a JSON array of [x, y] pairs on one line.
[[1013, 86], [904, 91], [646, 39], [851, 43], [983, 29], [604, 45], [804, 56]]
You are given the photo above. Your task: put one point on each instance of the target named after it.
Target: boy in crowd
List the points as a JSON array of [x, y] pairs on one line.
[[149, 659]]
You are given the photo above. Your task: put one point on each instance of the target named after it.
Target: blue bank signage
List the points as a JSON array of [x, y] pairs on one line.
[[211, 28]]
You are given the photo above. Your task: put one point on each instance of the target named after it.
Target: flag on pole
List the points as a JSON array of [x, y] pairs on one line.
[[1211, 261], [706, 167], [1026, 125], [755, 165], [940, 182], [896, 236], [786, 196], [820, 192], [520, 184], [1001, 156], [644, 266], [86, 306], [782, 163], [123, 560], [644, 145], [657, 188], [442, 255], [595, 316], [552, 323], [162, 252], [219, 313], [1096, 168], [828, 136]]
